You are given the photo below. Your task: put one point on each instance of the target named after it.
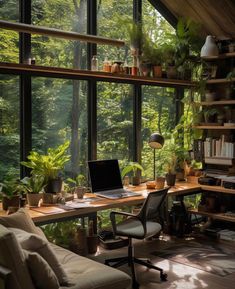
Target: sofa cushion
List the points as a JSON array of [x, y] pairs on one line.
[[35, 243], [89, 274], [41, 273], [12, 257], [21, 220]]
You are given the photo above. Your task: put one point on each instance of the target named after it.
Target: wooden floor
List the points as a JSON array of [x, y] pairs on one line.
[[179, 276]]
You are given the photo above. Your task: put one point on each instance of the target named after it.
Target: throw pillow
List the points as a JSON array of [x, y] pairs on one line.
[[12, 257], [21, 220], [41, 273], [35, 243]]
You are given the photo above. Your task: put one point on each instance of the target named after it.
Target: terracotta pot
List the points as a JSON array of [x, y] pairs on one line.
[[33, 199], [157, 71], [160, 182], [92, 243], [80, 191], [13, 202]]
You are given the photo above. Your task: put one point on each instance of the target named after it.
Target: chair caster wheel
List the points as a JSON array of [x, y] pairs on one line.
[[163, 277]]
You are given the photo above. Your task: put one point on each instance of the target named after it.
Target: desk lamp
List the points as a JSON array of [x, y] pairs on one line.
[[156, 141]]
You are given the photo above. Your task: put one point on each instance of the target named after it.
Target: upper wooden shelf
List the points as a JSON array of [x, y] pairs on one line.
[[32, 29], [214, 127], [221, 56], [217, 102], [220, 80], [14, 68]]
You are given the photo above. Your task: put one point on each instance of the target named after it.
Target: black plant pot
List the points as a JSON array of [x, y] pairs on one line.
[[54, 186], [135, 181], [170, 179]]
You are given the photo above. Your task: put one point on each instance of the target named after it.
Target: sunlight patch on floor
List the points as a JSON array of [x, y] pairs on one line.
[[185, 277]]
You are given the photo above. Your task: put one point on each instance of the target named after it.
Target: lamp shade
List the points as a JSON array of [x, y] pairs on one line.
[[156, 141], [209, 49]]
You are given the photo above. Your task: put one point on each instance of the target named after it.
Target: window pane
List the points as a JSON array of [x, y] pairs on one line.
[[9, 40], [64, 15], [110, 16], [158, 115], [114, 120], [9, 125], [60, 114]]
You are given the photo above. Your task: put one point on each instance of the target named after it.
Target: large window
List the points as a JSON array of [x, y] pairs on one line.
[[9, 40], [115, 121], [9, 126], [65, 15], [60, 114]]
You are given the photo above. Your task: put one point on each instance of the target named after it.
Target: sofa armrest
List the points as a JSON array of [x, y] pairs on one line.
[[4, 275]]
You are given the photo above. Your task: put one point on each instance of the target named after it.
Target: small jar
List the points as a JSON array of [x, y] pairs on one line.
[[94, 63]]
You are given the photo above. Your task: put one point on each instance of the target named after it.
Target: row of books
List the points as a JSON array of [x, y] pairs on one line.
[[218, 148]]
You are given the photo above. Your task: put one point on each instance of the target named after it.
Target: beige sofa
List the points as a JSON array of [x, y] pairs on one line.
[[29, 261]]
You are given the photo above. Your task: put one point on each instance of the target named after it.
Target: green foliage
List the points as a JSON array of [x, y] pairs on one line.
[[60, 233], [10, 187], [33, 184], [80, 180], [132, 167], [48, 165]]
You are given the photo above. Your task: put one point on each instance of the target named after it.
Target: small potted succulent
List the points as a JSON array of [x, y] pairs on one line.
[[79, 185]]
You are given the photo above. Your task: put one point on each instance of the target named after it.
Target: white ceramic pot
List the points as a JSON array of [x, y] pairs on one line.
[[209, 49]]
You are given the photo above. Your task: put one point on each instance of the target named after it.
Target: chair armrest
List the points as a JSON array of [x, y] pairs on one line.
[[4, 275], [113, 218]]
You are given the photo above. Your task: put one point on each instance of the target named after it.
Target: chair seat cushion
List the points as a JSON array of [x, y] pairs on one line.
[[133, 228], [89, 274]]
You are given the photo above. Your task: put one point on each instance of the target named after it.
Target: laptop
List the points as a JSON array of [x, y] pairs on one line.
[[106, 180]]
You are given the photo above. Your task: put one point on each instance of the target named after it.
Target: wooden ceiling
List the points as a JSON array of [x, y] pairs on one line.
[[217, 17]]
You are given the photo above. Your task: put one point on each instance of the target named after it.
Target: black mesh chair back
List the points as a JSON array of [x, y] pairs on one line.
[[151, 206]]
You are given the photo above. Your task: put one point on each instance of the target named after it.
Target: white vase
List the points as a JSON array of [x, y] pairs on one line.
[[209, 49]]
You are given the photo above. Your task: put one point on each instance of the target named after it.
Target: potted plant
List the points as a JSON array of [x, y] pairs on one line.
[[49, 166], [79, 185], [171, 170], [33, 187], [10, 193], [135, 33], [134, 168], [209, 114]]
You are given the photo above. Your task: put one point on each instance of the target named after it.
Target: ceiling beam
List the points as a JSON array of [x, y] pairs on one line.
[[165, 12]]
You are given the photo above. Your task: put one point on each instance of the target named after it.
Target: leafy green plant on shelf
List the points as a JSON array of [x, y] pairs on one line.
[[49, 165]]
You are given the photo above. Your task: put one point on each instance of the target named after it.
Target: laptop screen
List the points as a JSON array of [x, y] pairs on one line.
[[104, 175]]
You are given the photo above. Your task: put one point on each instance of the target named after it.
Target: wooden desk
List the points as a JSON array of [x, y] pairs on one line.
[[54, 213]]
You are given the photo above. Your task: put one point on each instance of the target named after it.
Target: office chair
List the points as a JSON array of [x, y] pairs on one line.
[[140, 226]]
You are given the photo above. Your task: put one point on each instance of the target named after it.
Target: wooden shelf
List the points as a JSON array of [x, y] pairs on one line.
[[218, 161], [214, 127], [218, 189], [217, 102], [32, 29], [220, 80], [15, 68], [215, 216], [221, 56]]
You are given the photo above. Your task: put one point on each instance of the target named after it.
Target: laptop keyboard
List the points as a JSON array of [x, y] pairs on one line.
[[117, 194]]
